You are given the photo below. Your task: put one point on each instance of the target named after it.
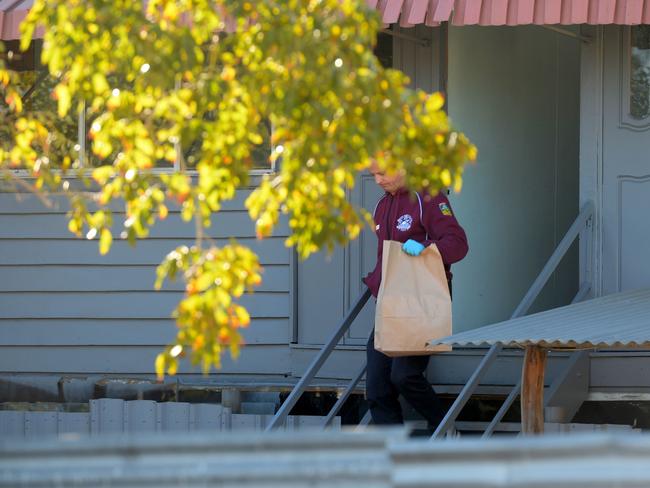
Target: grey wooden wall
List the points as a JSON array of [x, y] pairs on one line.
[[66, 309]]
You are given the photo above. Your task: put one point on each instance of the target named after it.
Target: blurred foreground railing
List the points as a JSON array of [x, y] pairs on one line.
[[373, 458]]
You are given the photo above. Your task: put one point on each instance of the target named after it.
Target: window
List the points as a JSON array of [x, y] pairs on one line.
[[36, 86], [639, 72], [260, 153]]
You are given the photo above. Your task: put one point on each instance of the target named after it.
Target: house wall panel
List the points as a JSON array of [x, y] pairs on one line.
[[65, 309], [22, 203], [122, 305], [75, 278], [121, 332], [127, 360], [72, 251], [55, 226]]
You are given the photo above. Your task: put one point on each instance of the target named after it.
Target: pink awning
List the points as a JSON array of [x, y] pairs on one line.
[[12, 13], [409, 13], [513, 12]]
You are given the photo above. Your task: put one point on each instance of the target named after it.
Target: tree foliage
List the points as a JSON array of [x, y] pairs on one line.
[[196, 82]]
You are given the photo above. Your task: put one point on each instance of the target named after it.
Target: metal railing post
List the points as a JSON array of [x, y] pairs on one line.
[[364, 421], [344, 396], [502, 411], [316, 364], [550, 266], [466, 392]]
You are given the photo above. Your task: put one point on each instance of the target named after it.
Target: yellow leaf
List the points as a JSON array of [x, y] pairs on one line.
[[445, 177], [162, 211], [105, 241], [243, 316], [100, 85], [458, 184], [73, 227], [436, 101], [160, 366], [228, 73], [172, 368], [102, 174], [62, 93]]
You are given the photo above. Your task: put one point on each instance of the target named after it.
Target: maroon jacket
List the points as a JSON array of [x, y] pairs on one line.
[[410, 215]]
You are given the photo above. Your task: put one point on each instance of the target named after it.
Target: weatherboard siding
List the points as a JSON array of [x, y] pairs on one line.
[[66, 309]]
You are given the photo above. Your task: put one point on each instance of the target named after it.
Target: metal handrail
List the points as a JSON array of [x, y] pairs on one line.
[[581, 222], [280, 417], [574, 231], [468, 390]]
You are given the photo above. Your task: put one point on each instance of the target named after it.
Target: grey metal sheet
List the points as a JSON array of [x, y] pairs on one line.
[[73, 423], [106, 415], [111, 416], [615, 321], [12, 424], [559, 461], [40, 424], [314, 459], [174, 416], [140, 416], [204, 417]]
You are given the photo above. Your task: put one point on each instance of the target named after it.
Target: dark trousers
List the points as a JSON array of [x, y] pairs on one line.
[[387, 378]]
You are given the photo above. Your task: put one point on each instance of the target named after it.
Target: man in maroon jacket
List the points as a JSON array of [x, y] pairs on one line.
[[417, 220]]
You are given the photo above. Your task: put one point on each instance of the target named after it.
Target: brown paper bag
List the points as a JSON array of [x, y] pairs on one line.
[[413, 303]]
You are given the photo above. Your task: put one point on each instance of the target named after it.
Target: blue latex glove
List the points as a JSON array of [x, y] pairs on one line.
[[413, 248]]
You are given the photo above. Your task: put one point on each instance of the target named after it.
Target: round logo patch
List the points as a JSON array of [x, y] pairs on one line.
[[404, 222]]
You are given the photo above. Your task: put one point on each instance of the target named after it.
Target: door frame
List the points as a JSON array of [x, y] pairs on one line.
[[591, 150]]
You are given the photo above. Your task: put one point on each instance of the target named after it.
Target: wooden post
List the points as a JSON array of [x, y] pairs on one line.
[[532, 391]]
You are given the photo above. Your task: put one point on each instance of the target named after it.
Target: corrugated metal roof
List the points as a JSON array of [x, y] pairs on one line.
[[409, 13], [512, 12], [619, 321], [12, 13]]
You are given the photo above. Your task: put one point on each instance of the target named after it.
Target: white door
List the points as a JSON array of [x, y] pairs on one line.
[[626, 160]]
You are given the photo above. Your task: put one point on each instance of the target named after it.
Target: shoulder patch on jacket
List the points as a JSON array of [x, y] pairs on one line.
[[444, 209]]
